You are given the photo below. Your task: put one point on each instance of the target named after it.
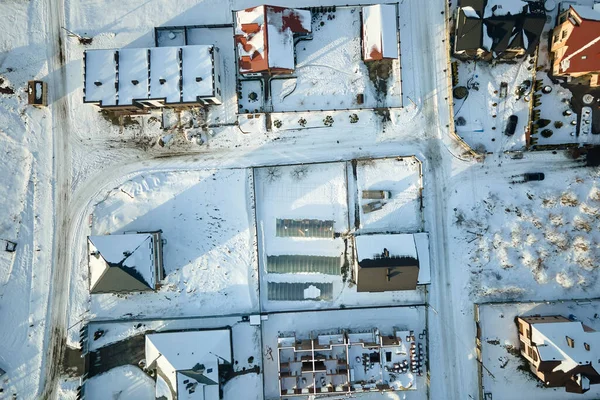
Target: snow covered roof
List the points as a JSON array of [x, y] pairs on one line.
[[189, 361], [583, 43], [392, 261], [551, 341], [265, 37], [177, 74], [379, 32], [123, 263], [496, 8], [101, 77]]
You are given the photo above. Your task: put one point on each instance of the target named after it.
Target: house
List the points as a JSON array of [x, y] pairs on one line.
[[387, 262], [125, 263], [498, 29], [131, 81], [265, 37], [344, 362], [561, 352], [576, 44], [379, 32], [37, 93], [187, 363]]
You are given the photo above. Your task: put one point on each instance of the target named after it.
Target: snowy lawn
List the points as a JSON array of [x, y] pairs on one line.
[[536, 240], [402, 211], [126, 382], [485, 113], [330, 72], [207, 222], [304, 323], [511, 377]]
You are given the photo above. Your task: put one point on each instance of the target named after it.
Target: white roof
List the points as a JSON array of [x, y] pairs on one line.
[[370, 246], [133, 66], [135, 250], [422, 243], [197, 63], [175, 352], [551, 339], [101, 67], [380, 31], [164, 64]]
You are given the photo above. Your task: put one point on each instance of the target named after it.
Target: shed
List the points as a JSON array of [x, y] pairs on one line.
[[37, 93]]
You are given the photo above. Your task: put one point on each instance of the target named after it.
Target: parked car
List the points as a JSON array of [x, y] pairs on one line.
[[376, 194], [533, 176], [373, 206], [511, 125]]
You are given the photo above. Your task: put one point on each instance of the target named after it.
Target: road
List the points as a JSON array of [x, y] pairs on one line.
[[55, 338]]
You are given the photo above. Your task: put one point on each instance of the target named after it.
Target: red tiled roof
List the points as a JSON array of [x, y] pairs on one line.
[[583, 47]]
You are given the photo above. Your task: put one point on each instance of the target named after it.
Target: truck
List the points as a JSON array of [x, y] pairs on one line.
[[372, 206], [376, 194]]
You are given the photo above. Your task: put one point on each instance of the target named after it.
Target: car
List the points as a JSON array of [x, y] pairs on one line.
[[511, 125], [533, 176]]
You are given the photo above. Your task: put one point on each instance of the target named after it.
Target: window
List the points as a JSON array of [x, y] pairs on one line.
[[219, 77], [583, 57], [535, 357], [523, 345], [530, 352], [562, 19], [520, 328], [555, 39], [528, 332], [570, 342], [587, 346], [563, 34]]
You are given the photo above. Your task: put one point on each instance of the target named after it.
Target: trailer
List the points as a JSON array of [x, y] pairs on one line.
[[376, 194]]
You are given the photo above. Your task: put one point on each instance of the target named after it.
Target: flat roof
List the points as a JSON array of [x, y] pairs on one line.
[[164, 74], [133, 66], [101, 77], [197, 71]]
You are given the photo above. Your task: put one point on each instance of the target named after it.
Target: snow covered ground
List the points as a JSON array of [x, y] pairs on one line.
[[330, 72], [402, 178], [534, 240], [306, 323], [509, 376], [209, 259]]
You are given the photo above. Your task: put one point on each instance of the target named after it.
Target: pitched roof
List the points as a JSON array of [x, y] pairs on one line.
[[265, 37], [189, 360], [122, 263], [551, 341], [469, 32], [583, 44], [379, 32]]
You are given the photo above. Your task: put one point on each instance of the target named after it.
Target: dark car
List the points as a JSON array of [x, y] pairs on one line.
[[511, 125], [534, 176]]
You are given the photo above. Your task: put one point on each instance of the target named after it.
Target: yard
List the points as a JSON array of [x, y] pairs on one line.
[[330, 72], [506, 374], [209, 260]]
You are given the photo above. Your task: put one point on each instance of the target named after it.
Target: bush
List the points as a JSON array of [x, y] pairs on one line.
[[353, 118], [546, 133], [302, 122], [277, 123], [543, 122], [328, 121], [558, 124]]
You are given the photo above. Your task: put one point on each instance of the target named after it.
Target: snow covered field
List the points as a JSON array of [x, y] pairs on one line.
[[330, 72], [209, 257], [305, 323], [401, 177], [534, 240], [509, 377]]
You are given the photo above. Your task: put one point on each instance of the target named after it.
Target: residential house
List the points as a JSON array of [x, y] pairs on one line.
[[560, 351], [187, 363], [380, 32], [129, 81], [125, 263], [344, 362], [576, 44], [498, 29], [387, 262], [265, 38]]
